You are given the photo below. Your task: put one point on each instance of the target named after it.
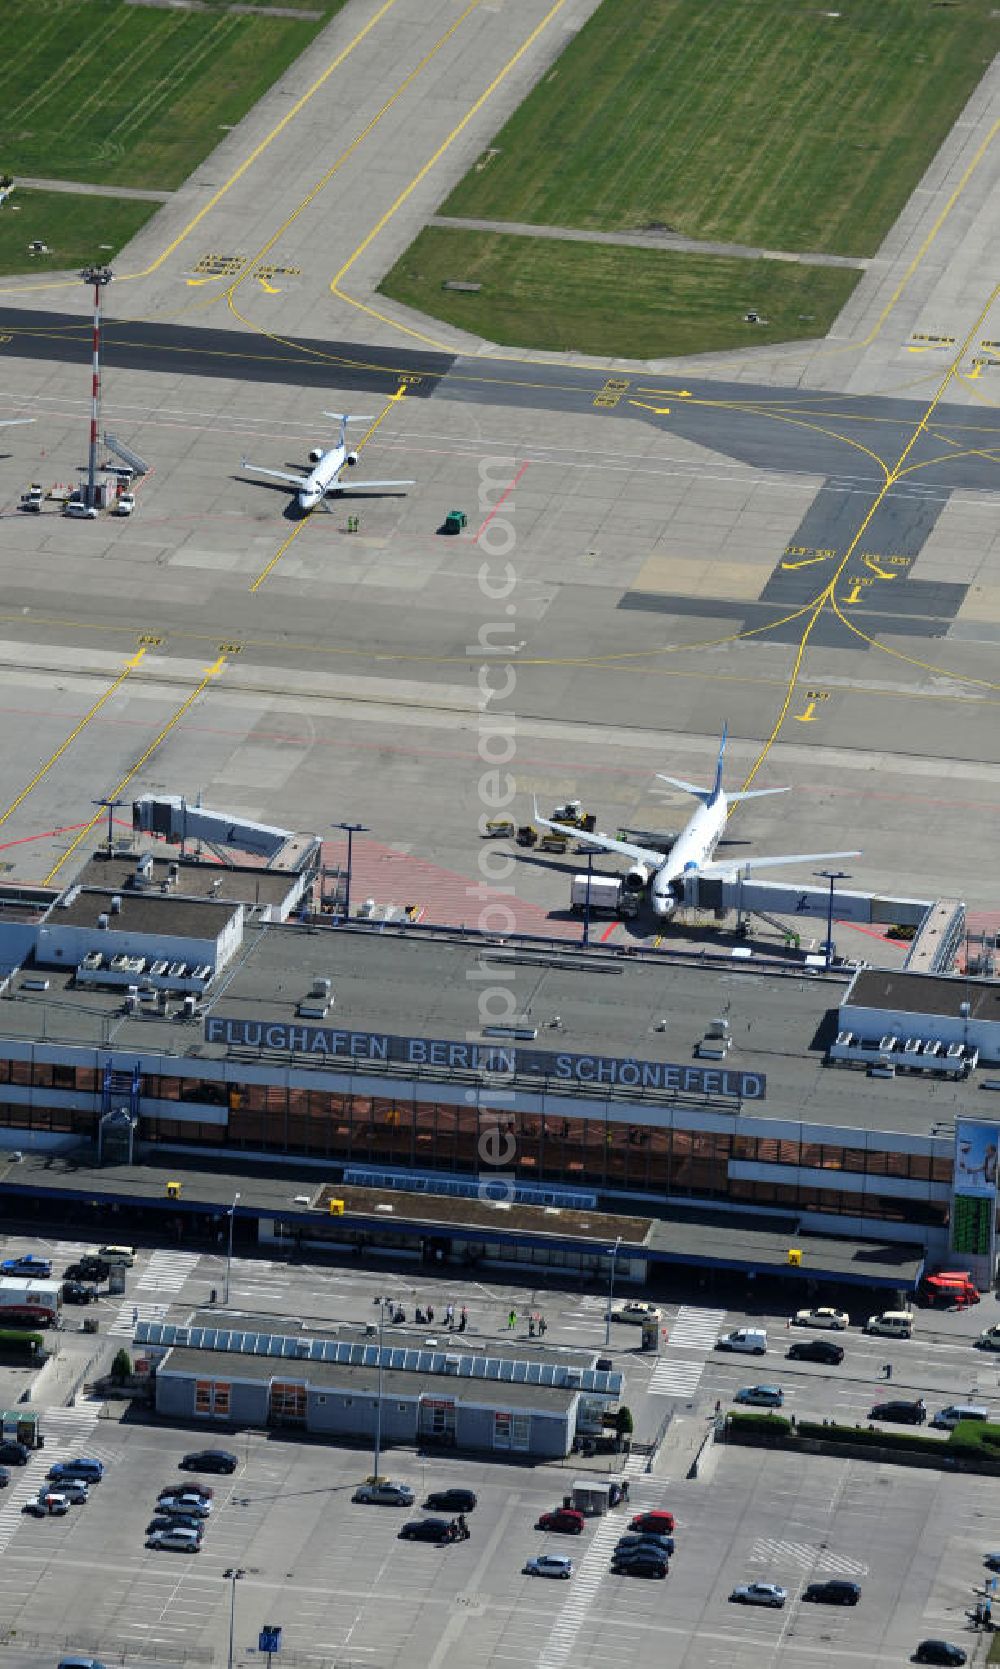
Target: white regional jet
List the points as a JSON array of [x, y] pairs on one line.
[[323, 480], [691, 852]]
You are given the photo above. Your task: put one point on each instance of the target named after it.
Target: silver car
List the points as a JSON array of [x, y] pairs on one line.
[[760, 1593], [550, 1564], [385, 1493]]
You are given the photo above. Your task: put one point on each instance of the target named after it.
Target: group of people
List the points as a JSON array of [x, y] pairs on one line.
[[537, 1325], [425, 1317]]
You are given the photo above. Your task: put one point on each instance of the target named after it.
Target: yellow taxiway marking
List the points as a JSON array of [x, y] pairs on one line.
[[870, 562], [809, 716], [129, 666], [660, 411], [678, 393], [807, 563], [211, 672]]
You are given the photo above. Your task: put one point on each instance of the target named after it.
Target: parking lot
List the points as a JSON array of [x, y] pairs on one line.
[[346, 1590]]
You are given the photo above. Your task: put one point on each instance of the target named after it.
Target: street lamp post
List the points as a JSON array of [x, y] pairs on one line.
[[831, 875], [613, 1254], [378, 1399], [97, 277], [229, 1254], [350, 829], [111, 806], [232, 1576]]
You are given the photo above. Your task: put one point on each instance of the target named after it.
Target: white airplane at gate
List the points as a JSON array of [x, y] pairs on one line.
[[323, 481], [691, 853]]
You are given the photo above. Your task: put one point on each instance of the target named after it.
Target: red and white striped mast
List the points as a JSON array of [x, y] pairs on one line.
[[98, 277]]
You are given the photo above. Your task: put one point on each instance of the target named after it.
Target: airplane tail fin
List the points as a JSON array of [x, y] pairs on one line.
[[346, 417], [717, 785]]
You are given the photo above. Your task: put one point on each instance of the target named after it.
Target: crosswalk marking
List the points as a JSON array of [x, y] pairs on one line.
[[806, 1556], [129, 1314], [676, 1379], [696, 1328], [167, 1271], [586, 1580], [70, 1427]]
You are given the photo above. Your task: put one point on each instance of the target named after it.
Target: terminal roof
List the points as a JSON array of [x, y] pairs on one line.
[[244, 883]]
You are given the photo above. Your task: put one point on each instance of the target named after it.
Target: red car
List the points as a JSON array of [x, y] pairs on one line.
[[566, 1519], [659, 1523]]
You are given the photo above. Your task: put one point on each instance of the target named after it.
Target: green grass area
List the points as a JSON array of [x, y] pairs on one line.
[[107, 93], [760, 121], [605, 299], [77, 231]]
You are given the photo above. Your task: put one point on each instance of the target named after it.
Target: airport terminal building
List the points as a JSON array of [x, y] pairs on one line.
[[138, 1020]]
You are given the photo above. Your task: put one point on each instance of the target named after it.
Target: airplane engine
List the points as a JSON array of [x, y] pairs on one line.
[[637, 878], [316, 454], [351, 459]]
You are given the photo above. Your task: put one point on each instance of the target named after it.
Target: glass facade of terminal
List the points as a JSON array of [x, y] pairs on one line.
[[658, 1159]]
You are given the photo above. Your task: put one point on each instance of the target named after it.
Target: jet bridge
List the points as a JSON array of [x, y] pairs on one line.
[[175, 819], [938, 924]]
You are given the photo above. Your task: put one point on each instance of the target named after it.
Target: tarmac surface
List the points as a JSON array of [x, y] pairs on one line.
[[647, 556]]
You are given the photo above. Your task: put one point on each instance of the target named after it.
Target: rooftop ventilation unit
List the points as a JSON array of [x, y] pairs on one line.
[[103, 922], [144, 871], [116, 904]]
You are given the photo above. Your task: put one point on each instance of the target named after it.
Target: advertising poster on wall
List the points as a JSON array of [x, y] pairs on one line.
[[974, 1198]]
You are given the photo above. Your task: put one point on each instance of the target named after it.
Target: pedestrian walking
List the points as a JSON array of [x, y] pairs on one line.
[[887, 1370], [449, 1315], [531, 1327], [543, 1326], [430, 1312], [512, 1320], [464, 1320]]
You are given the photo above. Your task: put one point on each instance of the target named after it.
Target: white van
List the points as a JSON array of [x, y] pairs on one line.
[[751, 1340], [117, 1257], [891, 1324], [948, 1418]]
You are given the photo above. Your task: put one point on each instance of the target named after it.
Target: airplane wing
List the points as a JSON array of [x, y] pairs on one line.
[[275, 474], [352, 486], [605, 843], [730, 868]]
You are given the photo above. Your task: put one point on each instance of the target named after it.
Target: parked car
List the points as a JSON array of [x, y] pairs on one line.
[[77, 1292], [640, 1564], [660, 1544], [384, 1494], [635, 1310], [188, 1502], [837, 1320], [51, 1503], [661, 1523], [902, 1413], [14, 1454], [565, 1519], [176, 1521], [946, 1419], [816, 1350], [74, 1489], [34, 1268], [645, 1551], [91, 1471], [206, 1491], [452, 1501], [4, 1477], [761, 1396], [83, 512], [989, 1338], [759, 1593], [834, 1592], [426, 1530], [939, 1651], [87, 1268], [177, 1539], [550, 1564], [80, 1663], [209, 1460], [992, 1561], [752, 1341]]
